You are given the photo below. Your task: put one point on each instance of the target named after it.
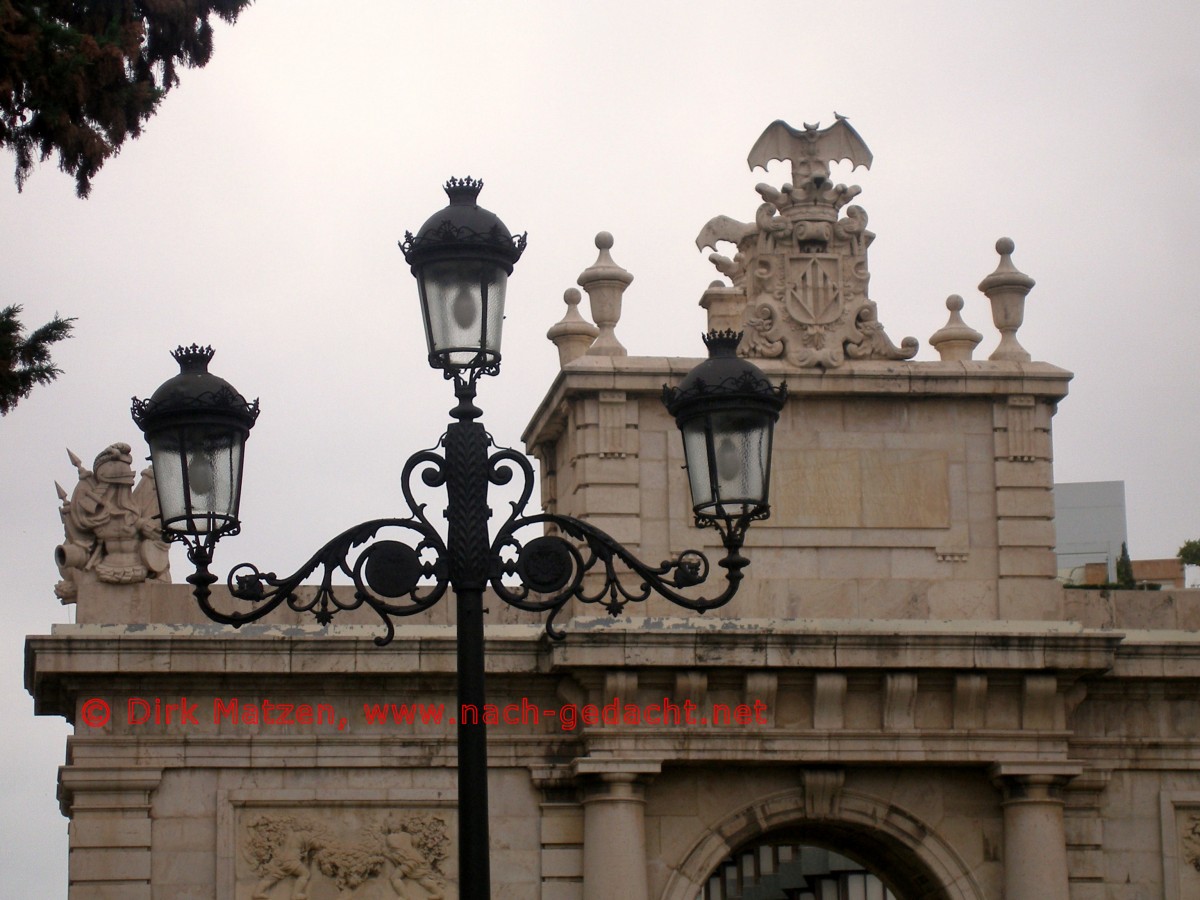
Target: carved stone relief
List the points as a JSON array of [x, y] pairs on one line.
[[1191, 841], [112, 527], [1022, 436], [1180, 816], [800, 269], [297, 856]]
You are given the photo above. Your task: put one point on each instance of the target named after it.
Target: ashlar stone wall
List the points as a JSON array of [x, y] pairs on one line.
[[900, 491]]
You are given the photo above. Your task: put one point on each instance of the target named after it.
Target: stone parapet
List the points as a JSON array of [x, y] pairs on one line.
[[646, 374], [1164, 610]]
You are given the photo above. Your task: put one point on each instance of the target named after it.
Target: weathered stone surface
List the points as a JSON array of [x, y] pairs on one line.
[[900, 674]]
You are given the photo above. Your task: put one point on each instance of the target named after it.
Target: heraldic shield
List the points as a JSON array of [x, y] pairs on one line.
[[814, 294]]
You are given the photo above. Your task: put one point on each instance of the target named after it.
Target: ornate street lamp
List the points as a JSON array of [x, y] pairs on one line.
[[196, 425], [726, 410], [461, 258]]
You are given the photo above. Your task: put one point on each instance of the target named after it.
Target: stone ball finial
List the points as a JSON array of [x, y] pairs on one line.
[[604, 269], [605, 283], [1007, 288], [573, 334], [955, 340]]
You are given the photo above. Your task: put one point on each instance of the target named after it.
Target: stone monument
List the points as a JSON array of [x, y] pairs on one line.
[[902, 702]]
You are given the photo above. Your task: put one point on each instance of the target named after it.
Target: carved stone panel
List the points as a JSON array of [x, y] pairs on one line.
[[1181, 845], [1190, 837], [342, 849]]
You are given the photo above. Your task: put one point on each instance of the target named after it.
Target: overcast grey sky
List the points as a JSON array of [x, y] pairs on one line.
[[260, 212]]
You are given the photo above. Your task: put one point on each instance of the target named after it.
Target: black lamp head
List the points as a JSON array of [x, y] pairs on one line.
[[462, 257], [726, 409], [196, 424]]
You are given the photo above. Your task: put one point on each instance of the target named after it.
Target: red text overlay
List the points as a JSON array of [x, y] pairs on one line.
[[181, 712], [569, 716]]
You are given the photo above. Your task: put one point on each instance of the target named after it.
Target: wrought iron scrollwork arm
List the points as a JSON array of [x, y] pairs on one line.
[[397, 578], [413, 571], [557, 568]]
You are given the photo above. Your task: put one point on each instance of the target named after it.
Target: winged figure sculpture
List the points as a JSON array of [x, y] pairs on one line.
[[810, 149]]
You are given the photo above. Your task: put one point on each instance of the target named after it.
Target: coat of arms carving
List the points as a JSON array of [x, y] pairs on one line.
[[800, 271]]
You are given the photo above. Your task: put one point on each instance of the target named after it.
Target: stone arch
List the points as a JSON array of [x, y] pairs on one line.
[[913, 858]]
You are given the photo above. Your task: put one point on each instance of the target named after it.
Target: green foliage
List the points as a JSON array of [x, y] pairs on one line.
[[25, 360], [78, 77], [1124, 568], [1190, 553]]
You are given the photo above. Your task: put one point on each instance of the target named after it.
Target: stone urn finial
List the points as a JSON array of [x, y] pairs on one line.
[[573, 334], [956, 340], [605, 282], [1007, 288]]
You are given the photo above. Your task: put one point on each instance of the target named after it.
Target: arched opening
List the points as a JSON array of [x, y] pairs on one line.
[[783, 870], [873, 850], [790, 864]]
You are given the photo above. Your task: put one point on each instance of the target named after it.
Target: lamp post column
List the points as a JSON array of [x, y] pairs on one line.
[[466, 475], [474, 869]]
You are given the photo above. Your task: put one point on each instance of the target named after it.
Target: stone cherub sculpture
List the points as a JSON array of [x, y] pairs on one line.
[[410, 863], [112, 527]]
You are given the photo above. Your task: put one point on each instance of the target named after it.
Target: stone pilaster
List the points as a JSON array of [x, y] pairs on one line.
[[1025, 536], [1035, 841], [561, 833], [607, 477], [614, 827], [1085, 834], [109, 809]]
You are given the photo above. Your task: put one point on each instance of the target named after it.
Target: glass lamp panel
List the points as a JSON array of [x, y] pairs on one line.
[[464, 309], [741, 452], [695, 452], [198, 472], [166, 456]]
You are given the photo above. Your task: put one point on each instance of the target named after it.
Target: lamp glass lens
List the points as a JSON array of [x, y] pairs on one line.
[[728, 453], [464, 310], [695, 451], [197, 470]]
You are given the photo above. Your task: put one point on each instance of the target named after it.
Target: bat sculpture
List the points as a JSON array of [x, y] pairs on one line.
[[811, 150]]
